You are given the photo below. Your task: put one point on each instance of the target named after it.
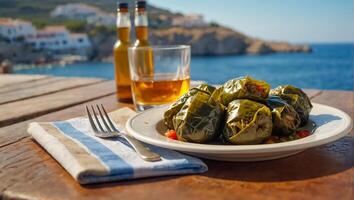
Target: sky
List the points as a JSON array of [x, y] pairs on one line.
[[299, 21]]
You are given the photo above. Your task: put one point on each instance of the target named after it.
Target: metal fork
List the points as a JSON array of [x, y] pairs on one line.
[[111, 131]]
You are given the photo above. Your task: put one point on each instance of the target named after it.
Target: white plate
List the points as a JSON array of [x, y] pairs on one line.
[[332, 124]]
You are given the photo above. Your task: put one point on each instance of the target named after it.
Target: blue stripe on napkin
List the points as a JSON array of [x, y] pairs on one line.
[[115, 164], [177, 161]]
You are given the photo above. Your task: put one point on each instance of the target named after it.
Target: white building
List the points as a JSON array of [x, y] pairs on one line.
[[191, 20], [79, 41], [50, 38], [58, 38], [78, 11], [12, 29]]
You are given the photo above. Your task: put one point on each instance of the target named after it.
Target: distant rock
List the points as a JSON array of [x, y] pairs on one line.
[[287, 47], [258, 47]]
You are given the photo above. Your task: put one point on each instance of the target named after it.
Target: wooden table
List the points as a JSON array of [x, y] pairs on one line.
[[28, 172]]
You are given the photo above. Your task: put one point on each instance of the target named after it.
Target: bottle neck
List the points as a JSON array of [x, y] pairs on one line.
[[141, 25], [123, 26], [141, 18]]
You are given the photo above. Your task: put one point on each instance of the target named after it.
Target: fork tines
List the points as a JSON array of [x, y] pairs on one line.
[[102, 125]]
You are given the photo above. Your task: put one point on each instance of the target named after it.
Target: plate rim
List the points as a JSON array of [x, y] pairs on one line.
[[307, 142]]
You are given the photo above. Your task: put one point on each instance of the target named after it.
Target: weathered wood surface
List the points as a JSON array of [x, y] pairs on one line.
[[29, 108], [326, 172], [48, 86], [10, 79], [28, 84]]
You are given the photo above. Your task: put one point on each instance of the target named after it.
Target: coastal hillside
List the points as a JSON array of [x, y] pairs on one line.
[[206, 38], [221, 41]]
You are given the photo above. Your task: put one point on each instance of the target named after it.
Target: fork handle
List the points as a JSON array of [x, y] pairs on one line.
[[144, 152]]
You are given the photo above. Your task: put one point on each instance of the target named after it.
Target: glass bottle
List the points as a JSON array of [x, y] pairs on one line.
[[120, 51], [142, 36], [141, 25]]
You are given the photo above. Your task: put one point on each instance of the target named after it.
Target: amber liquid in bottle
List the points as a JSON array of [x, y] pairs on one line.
[[142, 40], [121, 63]]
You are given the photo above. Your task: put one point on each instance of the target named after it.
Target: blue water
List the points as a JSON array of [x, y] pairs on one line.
[[329, 66]]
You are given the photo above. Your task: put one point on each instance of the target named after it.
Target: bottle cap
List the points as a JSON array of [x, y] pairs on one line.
[[140, 4], [123, 5]]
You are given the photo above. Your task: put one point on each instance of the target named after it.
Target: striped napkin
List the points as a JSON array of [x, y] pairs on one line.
[[93, 160]]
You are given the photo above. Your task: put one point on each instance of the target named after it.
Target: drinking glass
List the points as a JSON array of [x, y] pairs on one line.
[[159, 74]]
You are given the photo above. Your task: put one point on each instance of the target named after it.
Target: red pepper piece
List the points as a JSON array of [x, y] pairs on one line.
[[171, 134], [303, 133]]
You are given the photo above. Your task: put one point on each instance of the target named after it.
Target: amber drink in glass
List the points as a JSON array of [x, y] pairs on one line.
[[168, 80]]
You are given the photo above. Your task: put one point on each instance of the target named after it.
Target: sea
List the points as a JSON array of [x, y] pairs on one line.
[[328, 66]]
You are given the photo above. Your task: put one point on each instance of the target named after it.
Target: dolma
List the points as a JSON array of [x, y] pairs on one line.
[[285, 119], [242, 88], [177, 105], [296, 98], [199, 119], [247, 122]]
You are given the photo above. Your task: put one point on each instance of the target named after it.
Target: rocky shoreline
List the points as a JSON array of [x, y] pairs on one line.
[[204, 41], [221, 41]]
